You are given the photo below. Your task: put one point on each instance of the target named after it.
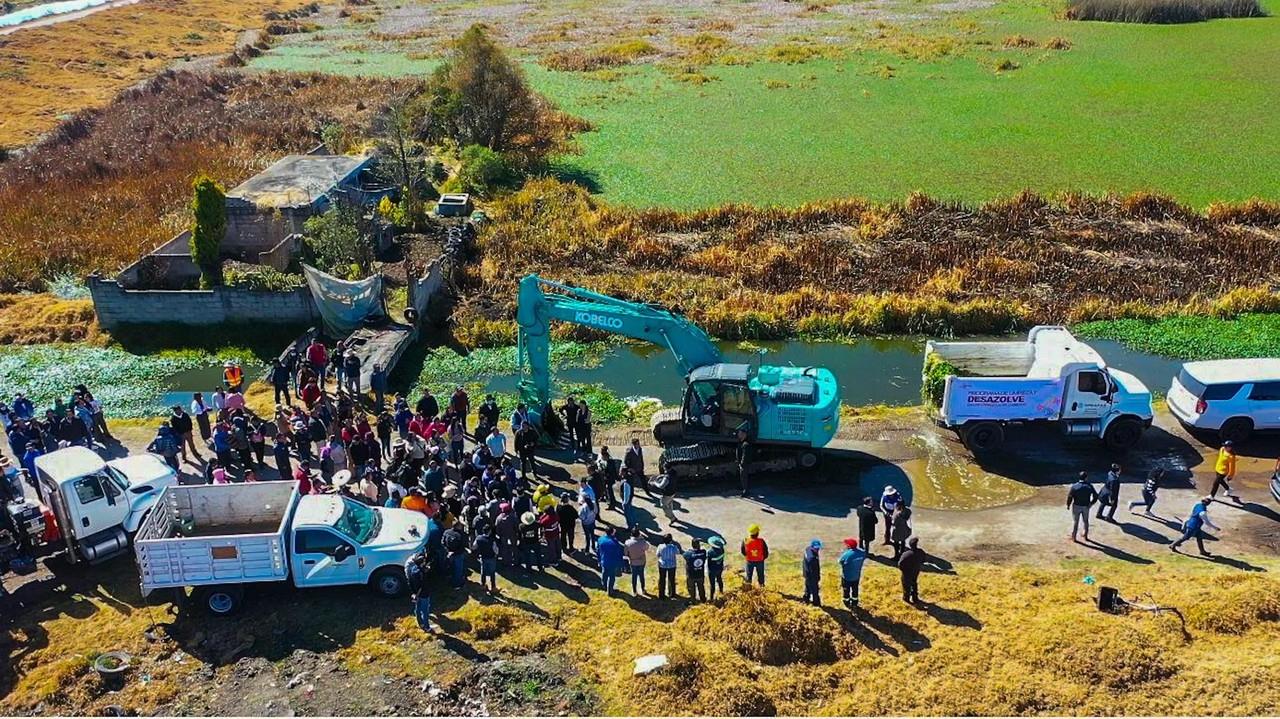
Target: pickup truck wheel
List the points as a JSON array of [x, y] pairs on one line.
[[221, 601], [388, 581], [1236, 429], [1123, 434], [983, 436]]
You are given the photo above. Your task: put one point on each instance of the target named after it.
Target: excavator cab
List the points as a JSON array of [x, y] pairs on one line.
[[717, 402]]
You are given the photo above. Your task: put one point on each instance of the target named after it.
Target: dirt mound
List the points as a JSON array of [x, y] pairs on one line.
[[1252, 601], [763, 626]]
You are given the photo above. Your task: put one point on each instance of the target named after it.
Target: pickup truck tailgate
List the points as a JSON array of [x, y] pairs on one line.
[[216, 534]]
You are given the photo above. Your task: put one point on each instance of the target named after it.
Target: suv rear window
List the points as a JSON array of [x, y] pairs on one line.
[[1192, 385], [1221, 391]]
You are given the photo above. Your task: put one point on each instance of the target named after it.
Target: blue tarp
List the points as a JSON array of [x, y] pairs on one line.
[[344, 305]]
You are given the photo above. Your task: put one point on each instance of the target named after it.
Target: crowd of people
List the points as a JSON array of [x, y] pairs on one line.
[[488, 501]]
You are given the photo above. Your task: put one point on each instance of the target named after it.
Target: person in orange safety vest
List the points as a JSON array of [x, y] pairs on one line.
[[756, 551]]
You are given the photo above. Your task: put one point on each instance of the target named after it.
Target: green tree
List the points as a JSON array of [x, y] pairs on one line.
[[480, 96], [340, 242], [208, 227]]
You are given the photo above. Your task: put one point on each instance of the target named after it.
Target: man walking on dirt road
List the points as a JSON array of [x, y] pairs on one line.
[[1080, 497], [1109, 497], [1192, 528]]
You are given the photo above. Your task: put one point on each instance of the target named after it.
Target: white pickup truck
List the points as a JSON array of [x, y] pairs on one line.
[[219, 539], [98, 505], [1051, 377]]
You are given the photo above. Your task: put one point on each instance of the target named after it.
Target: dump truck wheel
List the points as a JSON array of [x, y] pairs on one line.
[[982, 437], [1123, 434]]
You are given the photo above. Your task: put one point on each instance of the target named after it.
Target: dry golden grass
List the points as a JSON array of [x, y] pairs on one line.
[[41, 318], [110, 184], [849, 267], [994, 639], [67, 67]]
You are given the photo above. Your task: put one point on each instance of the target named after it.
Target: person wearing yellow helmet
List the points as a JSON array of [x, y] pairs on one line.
[[756, 551]]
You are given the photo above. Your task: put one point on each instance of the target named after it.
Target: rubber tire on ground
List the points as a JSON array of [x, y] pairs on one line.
[[1236, 429], [982, 437], [389, 582], [1122, 434], [220, 601]]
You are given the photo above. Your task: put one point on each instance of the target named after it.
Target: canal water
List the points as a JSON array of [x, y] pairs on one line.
[[870, 371]]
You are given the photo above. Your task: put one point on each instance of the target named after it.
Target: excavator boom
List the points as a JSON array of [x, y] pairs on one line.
[[537, 308]]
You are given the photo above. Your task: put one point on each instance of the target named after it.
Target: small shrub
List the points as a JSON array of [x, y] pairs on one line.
[[1004, 64], [776, 84], [265, 279], [1019, 41], [484, 171], [1057, 43]]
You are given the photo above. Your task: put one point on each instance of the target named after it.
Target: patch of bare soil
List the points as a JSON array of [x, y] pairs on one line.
[[309, 683]]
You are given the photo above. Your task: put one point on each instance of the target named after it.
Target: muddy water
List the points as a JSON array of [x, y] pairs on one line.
[[945, 477]]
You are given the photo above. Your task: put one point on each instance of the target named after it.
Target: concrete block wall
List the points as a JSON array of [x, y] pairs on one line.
[[117, 306]]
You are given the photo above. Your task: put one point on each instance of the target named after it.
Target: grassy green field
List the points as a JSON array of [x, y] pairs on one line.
[[1179, 109]]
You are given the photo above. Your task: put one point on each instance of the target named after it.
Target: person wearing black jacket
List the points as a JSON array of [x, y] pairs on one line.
[[567, 513], [183, 432], [1109, 495], [280, 381], [488, 414], [455, 543], [910, 564], [418, 579], [427, 405], [867, 520], [351, 373], [72, 430], [1080, 497], [744, 455], [526, 443]]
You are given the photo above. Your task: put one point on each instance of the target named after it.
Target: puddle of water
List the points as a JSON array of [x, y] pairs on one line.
[[182, 384], [945, 479]]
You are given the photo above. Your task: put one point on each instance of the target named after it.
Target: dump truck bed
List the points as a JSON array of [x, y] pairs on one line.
[[216, 534]]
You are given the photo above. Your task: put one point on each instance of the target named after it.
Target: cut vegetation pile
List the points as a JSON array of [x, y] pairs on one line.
[[1161, 11], [108, 185], [840, 268]]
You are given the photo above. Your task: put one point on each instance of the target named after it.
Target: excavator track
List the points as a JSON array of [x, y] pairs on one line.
[[708, 461]]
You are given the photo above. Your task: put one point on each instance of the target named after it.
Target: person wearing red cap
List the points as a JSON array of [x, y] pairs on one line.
[[851, 561]]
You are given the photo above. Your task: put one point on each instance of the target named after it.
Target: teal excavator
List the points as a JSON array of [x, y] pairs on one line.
[[789, 413]]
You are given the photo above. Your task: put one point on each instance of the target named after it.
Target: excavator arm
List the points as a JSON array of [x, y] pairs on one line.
[[536, 310]]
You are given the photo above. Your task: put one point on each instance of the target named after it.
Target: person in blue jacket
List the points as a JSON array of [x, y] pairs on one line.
[[609, 550], [813, 573], [851, 561]]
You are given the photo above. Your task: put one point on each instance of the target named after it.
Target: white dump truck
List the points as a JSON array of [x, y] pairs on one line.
[[218, 540], [1051, 377], [98, 504]]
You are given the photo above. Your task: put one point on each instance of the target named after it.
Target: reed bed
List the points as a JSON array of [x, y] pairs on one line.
[[850, 267]]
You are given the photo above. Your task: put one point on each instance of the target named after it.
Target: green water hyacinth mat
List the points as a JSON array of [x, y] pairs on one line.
[[128, 385]]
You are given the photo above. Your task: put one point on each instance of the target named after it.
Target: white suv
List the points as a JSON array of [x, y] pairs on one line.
[[1233, 397]]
